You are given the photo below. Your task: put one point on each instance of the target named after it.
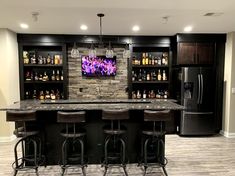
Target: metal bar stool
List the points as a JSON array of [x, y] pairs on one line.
[[113, 154], [73, 145], [154, 140], [28, 139]]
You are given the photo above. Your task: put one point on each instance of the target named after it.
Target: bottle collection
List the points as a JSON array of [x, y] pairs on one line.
[[30, 58], [150, 94], [43, 76], [44, 95], [150, 75], [148, 59]]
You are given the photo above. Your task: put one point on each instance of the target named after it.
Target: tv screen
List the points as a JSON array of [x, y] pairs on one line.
[[98, 66]]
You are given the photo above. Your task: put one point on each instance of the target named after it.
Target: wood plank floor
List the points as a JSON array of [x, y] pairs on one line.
[[194, 156]]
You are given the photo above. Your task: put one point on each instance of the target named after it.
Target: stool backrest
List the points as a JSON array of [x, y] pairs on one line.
[[71, 117], [157, 116], [21, 116], [121, 114]]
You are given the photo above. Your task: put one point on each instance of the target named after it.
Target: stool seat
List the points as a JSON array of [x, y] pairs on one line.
[[114, 132], [153, 133]]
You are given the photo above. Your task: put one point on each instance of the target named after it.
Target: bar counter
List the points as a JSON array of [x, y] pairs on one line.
[[47, 120], [131, 104]]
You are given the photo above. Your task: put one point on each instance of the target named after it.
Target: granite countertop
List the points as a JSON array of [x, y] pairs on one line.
[[132, 104]]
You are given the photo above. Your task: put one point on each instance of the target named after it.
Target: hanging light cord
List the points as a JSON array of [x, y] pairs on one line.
[[100, 15]]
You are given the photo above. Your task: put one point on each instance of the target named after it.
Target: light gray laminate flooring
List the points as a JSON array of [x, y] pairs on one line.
[[187, 156]]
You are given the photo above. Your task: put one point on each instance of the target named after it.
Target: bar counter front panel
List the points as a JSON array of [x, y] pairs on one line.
[[47, 114]]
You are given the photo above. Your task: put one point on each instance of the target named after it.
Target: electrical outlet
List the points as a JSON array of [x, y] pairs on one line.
[[233, 90]]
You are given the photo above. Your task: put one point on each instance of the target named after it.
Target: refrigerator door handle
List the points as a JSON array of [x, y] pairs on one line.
[[199, 89], [202, 87]]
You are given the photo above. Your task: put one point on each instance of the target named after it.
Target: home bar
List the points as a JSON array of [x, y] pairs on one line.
[[104, 102]]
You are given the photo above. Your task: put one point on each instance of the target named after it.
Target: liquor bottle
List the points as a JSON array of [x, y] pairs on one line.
[[163, 60], [47, 95], [53, 95], [133, 95], [45, 77], [57, 95], [33, 59], [146, 59], [159, 61], [27, 95], [62, 76], [44, 60], [52, 61], [41, 95], [164, 75], [153, 61], [138, 94], [40, 77], [57, 77], [140, 76], [165, 94], [56, 59], [144, 76], [48, 59], [53, 75], [159, 76], [36, 76], [28, 76], [34, 94], [150, 60], [152, 94], [26, 57], [158, 94], [143, 59], [154, 76], [133, 60], [40, 59], [144, 94], [133, 75], [148, 76]]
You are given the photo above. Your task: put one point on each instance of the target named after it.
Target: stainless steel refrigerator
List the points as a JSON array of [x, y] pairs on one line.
[[197, 88]]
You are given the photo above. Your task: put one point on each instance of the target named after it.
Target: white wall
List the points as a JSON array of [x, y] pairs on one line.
[[229, 78], [9, 79]]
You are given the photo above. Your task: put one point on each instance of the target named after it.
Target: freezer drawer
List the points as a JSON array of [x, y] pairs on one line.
[[196, 123]]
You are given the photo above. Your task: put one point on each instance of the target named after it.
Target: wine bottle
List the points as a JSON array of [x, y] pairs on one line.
[[143, 59], [159, 76]]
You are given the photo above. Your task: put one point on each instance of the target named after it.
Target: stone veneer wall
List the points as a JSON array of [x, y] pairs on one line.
[[81, 87]]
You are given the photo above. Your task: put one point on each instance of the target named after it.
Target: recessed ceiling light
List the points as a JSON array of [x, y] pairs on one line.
[[24, 26], [83, 27], [135, 28], [188, 29]]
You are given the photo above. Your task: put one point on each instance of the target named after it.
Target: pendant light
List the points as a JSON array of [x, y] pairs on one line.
[[92, 51], [74, 51]]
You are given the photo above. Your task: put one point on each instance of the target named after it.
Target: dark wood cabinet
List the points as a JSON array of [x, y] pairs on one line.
[[43, 71], [195, 53]]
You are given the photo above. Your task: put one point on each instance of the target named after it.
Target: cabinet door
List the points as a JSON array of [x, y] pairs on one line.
[[186, 53], [205, 53]]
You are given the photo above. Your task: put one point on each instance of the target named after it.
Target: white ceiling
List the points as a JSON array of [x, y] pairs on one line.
[[66, 16]]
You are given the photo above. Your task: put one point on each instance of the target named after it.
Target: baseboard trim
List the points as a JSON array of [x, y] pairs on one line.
[[7, 139], [226, 134]]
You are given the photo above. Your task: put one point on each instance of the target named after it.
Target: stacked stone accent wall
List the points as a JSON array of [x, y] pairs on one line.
[[81, 87]]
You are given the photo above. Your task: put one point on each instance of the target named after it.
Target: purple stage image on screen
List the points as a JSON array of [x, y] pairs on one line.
[[98, 66]]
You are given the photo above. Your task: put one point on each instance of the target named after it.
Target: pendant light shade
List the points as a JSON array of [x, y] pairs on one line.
[[109, 51], [92, 51], [74, 51]]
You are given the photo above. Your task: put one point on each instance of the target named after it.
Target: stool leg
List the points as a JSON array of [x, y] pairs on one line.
[[123, 155], [145, 155], [106, 154], [64, 155], [82, 157]]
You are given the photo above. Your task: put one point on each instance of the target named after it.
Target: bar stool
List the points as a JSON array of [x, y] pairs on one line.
[[73, 145], [29, 137], [154, 140], [114, 145]]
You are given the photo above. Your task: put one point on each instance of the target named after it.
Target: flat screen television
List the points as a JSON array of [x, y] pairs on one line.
[[99, 66]]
